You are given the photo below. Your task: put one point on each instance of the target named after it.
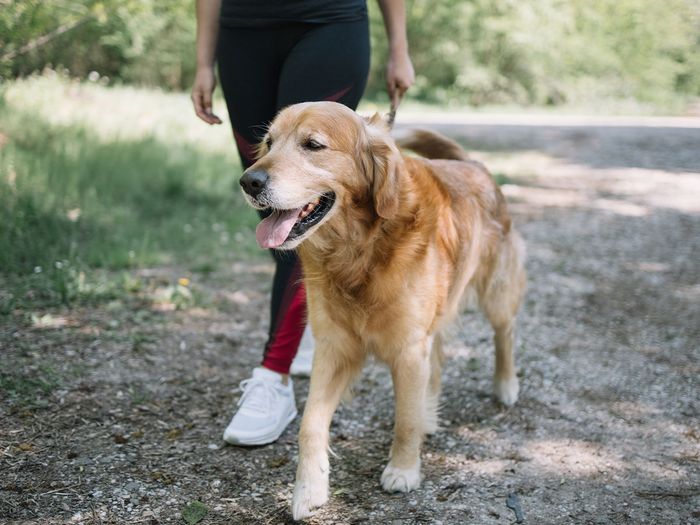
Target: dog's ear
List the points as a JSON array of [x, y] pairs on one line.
[[383, 166], [378, 121]]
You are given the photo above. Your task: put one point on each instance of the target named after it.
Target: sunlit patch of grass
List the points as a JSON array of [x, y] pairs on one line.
[[120, 113], [80, 194]]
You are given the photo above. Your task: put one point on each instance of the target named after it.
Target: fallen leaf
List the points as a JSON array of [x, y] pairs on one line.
[[162, 477], [278, 462], [48, 321], [174, 433]]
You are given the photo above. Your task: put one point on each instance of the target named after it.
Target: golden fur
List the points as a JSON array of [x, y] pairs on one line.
[[386, 269]]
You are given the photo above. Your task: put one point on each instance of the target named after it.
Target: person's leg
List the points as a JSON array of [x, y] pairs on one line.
[[250, 62], [287, 313], [328, 62], [249, 65], [324, 62], [246, 59], [249, 69]]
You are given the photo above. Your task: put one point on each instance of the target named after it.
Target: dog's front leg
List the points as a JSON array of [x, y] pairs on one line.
[[410, 372], [331, 373]]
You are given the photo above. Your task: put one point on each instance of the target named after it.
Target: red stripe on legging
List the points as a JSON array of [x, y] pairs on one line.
[[335, 97], [246, 149], [284, 343]]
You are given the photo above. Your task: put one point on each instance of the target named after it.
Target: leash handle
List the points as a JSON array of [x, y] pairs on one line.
[[392, 111], [392, 117]]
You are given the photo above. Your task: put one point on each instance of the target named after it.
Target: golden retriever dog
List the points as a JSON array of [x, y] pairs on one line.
[[389, 245]]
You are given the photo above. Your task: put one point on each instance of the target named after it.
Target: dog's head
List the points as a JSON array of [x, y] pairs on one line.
[[316, 159]]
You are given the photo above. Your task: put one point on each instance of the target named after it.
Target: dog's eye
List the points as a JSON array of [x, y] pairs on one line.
[[313, 145], [268, 143]]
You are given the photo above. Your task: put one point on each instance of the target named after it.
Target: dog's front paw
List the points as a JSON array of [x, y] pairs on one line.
[[507, 390], [396, 479], [308, 495]]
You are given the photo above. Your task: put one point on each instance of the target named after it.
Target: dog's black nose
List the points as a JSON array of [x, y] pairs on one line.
[[254, 182]]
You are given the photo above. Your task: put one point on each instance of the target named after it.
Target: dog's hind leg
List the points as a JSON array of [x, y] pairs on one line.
[[500, 301], [505, 382], [432, 402]]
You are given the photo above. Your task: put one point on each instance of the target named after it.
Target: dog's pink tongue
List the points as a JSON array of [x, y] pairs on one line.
[[274, 230]]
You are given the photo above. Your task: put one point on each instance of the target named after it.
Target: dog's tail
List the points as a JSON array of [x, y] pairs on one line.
[[430, 144]]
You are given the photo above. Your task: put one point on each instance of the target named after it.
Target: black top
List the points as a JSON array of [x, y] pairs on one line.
[[267, 13]]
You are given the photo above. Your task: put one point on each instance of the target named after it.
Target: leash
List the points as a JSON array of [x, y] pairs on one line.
[[392, 111], [391, 117]]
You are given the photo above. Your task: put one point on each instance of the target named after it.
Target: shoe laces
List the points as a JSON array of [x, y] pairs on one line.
[[259, 395]]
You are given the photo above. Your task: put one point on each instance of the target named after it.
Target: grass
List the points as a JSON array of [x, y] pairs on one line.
[[28, 390], [90, 187]]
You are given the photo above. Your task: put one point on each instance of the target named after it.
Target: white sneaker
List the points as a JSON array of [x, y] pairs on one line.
[[265, 409], [301, 366]]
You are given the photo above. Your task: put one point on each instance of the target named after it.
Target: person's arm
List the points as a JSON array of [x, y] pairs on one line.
[[205, 78], [399, 69]]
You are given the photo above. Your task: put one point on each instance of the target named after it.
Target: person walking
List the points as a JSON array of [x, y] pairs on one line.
[[271, 54]]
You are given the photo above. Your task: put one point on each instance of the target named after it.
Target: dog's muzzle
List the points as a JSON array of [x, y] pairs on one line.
[[254, 182]]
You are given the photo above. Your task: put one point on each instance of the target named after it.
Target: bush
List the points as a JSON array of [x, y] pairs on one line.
[[549, 51], [465, 51]]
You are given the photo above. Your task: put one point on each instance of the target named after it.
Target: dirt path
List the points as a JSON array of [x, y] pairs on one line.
[[123, 407]]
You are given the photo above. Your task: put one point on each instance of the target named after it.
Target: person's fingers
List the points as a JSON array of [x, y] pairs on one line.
[[200, 111], [202, 106], [404, 82], [197, 103], [399, 78], [206, 101], [207, 106]]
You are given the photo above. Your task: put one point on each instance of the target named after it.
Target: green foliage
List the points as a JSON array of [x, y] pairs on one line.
[[475, 51], [145, 42], [549, 51], [74, 198]]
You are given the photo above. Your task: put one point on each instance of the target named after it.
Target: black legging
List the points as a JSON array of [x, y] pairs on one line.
[[262, 70]]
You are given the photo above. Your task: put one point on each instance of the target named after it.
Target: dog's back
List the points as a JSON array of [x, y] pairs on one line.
[[476, 200], [475, 180]]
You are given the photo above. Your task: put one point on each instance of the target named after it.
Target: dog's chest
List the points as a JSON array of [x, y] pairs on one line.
[[376, 317]]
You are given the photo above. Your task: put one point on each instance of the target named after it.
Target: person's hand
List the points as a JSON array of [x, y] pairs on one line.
[[202, 90], [399, 76]]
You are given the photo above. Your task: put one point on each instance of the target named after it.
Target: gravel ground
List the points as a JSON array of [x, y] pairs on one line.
[[124, 405]]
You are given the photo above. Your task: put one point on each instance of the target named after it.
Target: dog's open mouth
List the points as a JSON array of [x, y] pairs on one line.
[[284, 225]]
